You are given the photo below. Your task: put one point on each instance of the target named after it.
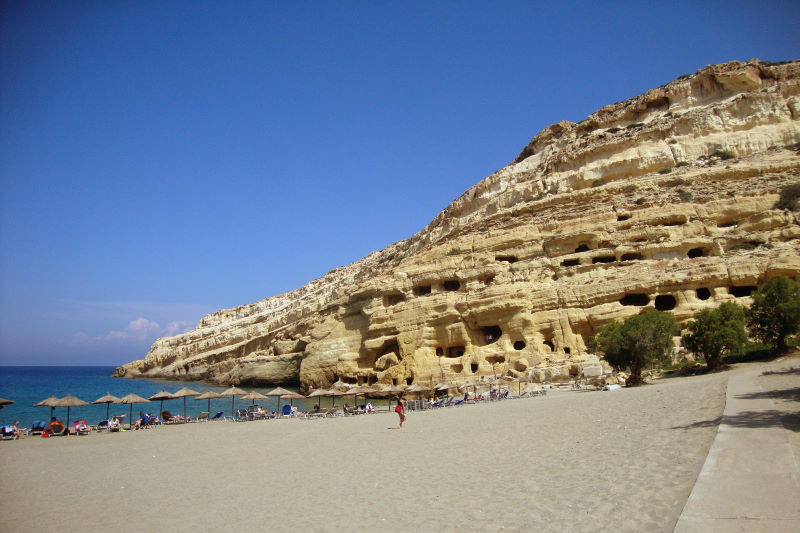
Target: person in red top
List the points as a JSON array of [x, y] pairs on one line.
[[400, 409]]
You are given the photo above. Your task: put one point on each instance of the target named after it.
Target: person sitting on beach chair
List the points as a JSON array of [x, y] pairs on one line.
[[143, 419], [114, 424]]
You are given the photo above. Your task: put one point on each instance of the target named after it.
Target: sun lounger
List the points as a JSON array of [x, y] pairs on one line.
[[8, 433], [218, 416], [203, 417], [81, 427], [37, 427]]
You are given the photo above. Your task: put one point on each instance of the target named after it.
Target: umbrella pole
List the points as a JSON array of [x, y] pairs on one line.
[[108, 407], [130, 420], [184, 409], [233, 399], [68, 419]]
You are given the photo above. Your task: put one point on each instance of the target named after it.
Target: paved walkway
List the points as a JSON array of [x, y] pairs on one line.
[[750, 480]]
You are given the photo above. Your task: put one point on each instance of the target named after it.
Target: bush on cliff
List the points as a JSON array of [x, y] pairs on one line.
[[774, 315], [641, 341], [717, 333]]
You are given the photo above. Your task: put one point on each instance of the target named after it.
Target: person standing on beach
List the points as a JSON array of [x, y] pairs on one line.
[[400, 409]]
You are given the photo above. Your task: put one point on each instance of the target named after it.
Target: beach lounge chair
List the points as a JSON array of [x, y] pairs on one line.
[[81, 427], [8, 433], [203, 417], [37, 427], [57, 429], [218, 416]]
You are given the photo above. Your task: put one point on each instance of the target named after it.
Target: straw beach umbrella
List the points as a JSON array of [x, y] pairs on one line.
[[183, 393], [207, 395], [233, 392], [361, 390], [3, 402], [292, 396], [48, 402], [254, 395], [108, 399], [161, 396], [132, 399], [69, 401], [319, 393], [278, 391]]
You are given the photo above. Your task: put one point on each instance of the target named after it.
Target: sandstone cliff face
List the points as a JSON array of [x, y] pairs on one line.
[[664, 200]]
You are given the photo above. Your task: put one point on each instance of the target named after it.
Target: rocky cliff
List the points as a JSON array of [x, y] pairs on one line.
[[665, 200]]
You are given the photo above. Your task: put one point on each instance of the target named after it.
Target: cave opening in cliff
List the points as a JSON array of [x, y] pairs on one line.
[[567, 350], [491, 333], [452, 285], [455, 351], [394, 299], [665, 302], [457, 368], [622, 218], [695, 252], [506, 259], [473, 367], [496, 359], [603, 259], [410, 380], [636, 298], [439, 351], [570, 262], [488, 280], [550, 345], [727, 224], [674, 222], [632, 256], [582, 248], [519, 345], [741, 291], [703, 293], [422, 290]]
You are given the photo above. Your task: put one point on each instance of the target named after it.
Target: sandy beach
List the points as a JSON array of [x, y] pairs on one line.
[[570, 461]]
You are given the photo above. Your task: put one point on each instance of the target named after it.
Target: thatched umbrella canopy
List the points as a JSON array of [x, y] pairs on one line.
[[253, 395], [3, 402], [207, 395], [108, 399], [132, 399], [69, 401], [233, 392], [292, 396], [361, 390], [278, 391], [446, 385], [183, 393], [161, 396], [320, 392], [417, 388], [48, 402]]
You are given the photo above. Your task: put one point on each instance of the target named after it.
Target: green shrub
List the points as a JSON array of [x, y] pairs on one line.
[[682, 164], [629, 189], [640, 342], [676, 182], [684, 195], [723, 154], [640, 201], [614, 130], [634, 125], [788, 197], [716, 333], [665, 171], [454, 251], [774, 316]]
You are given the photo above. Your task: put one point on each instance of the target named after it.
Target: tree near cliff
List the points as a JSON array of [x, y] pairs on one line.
[[774, 315], [637, 343], [716, 333]]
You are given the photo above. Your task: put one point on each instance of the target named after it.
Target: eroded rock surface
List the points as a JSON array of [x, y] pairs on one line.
[[665, 200]]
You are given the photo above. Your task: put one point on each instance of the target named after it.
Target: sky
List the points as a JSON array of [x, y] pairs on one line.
[[162, 160]]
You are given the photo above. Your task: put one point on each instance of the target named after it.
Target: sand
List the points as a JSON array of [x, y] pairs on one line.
[[624, 460]]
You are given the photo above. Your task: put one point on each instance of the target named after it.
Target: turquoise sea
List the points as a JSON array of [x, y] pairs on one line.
[[27, 385]]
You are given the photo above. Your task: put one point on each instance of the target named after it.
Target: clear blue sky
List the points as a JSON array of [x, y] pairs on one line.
[[163, 160]]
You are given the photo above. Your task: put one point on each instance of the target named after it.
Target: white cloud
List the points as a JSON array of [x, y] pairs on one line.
[[138, 330]]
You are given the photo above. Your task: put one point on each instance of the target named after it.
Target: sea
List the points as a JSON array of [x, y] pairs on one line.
[[28, 385]]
